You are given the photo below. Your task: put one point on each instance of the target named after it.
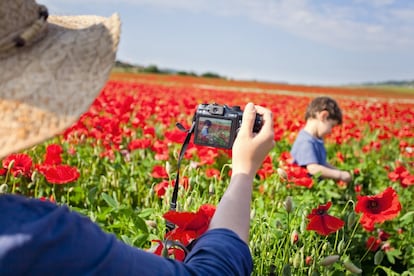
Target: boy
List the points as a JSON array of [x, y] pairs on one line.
[[308, 150]]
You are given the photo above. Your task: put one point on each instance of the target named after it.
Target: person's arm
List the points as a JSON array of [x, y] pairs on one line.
[[40, 238], [329, 172], [249, 151]]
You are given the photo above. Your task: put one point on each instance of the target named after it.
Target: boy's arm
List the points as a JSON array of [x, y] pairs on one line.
[[329, 172]]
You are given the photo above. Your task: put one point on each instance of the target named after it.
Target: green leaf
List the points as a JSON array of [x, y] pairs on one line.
[[140, 224], [144, 213], [392, 254], [407, 218], [92, 194], [110, 201]]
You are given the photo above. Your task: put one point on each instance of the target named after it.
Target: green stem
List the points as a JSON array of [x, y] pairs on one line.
[[36, 188], [350, 238]]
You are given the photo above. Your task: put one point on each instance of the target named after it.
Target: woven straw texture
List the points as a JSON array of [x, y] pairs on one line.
[[46, 86]]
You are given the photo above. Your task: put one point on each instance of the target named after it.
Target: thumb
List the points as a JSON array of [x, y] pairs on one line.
[[249, 116]]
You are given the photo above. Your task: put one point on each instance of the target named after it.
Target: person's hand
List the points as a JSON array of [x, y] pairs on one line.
[[345, 176], [250, 149]]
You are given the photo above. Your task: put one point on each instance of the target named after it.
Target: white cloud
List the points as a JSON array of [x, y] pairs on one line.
[[353, 25], [375, 3]]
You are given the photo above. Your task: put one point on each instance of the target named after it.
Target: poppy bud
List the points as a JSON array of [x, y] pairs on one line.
[[352, 268], [294, 237], [168, 168], [188, 201], [386, 246], [288, 204], [304, 222], [308, 260], [378, 257], [351, 220], [3, 188], [341, 246], [282, 173], [252, 214], [151, 223], [211, 189], [33, 176], [193, 164], [296, 260], [330, 260], [279, 224]]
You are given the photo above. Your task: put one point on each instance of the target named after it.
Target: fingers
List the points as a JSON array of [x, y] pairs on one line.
[[249, 116], [267, 117]]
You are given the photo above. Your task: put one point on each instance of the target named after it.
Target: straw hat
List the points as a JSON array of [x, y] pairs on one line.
[[51, 70]]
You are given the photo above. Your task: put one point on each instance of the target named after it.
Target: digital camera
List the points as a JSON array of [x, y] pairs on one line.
[[217, 125]]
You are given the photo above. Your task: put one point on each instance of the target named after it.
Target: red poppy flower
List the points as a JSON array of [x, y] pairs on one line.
[[340, 157], [189, 225], [159, 171], [382, 235], [51, 199], [139, 144], [184, 182], [60, 174], [177, 253], [266, 169], [373, 243], [321, 222], [161, 187], [212, 173], [207, 155], [378, 208], [408, 181], [53, 155], [22, 164], [299, 176], [149, 131], [161, 150], [402, 175]]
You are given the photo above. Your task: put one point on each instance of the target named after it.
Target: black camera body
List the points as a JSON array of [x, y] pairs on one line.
[[217, 125]]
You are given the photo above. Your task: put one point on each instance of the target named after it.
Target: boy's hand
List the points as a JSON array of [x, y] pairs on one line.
[[345, 176]]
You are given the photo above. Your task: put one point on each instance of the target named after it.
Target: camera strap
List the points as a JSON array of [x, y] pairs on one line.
[[173, 203]]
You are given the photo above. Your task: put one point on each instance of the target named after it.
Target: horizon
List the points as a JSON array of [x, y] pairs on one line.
[[304, 42]]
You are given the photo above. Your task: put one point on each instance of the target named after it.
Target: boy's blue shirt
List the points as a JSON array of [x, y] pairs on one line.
[[40, 238], [308, 150]]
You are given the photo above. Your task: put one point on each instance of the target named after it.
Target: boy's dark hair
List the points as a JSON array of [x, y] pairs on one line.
[[324, 103], [207, 123]]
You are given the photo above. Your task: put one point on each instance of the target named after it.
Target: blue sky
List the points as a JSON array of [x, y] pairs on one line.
[[325, 42]]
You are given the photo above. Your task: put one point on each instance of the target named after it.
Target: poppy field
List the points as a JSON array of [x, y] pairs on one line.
[[118, 165]]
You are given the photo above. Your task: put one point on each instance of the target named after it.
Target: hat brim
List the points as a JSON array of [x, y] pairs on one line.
[[45, 87]]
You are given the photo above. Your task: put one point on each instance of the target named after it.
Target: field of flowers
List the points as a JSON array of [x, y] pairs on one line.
[[118, 165]]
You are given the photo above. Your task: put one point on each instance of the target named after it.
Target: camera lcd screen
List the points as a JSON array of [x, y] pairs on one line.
[[214, 132]]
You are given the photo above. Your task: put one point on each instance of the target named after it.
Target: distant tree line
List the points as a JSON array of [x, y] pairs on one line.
[[154, 69], [391, 83]]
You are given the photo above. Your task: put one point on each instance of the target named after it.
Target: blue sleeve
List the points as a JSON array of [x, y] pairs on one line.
[[39, 238], [303, 151]]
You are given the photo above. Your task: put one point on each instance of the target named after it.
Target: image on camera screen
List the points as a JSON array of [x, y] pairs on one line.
[[215, 132]]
